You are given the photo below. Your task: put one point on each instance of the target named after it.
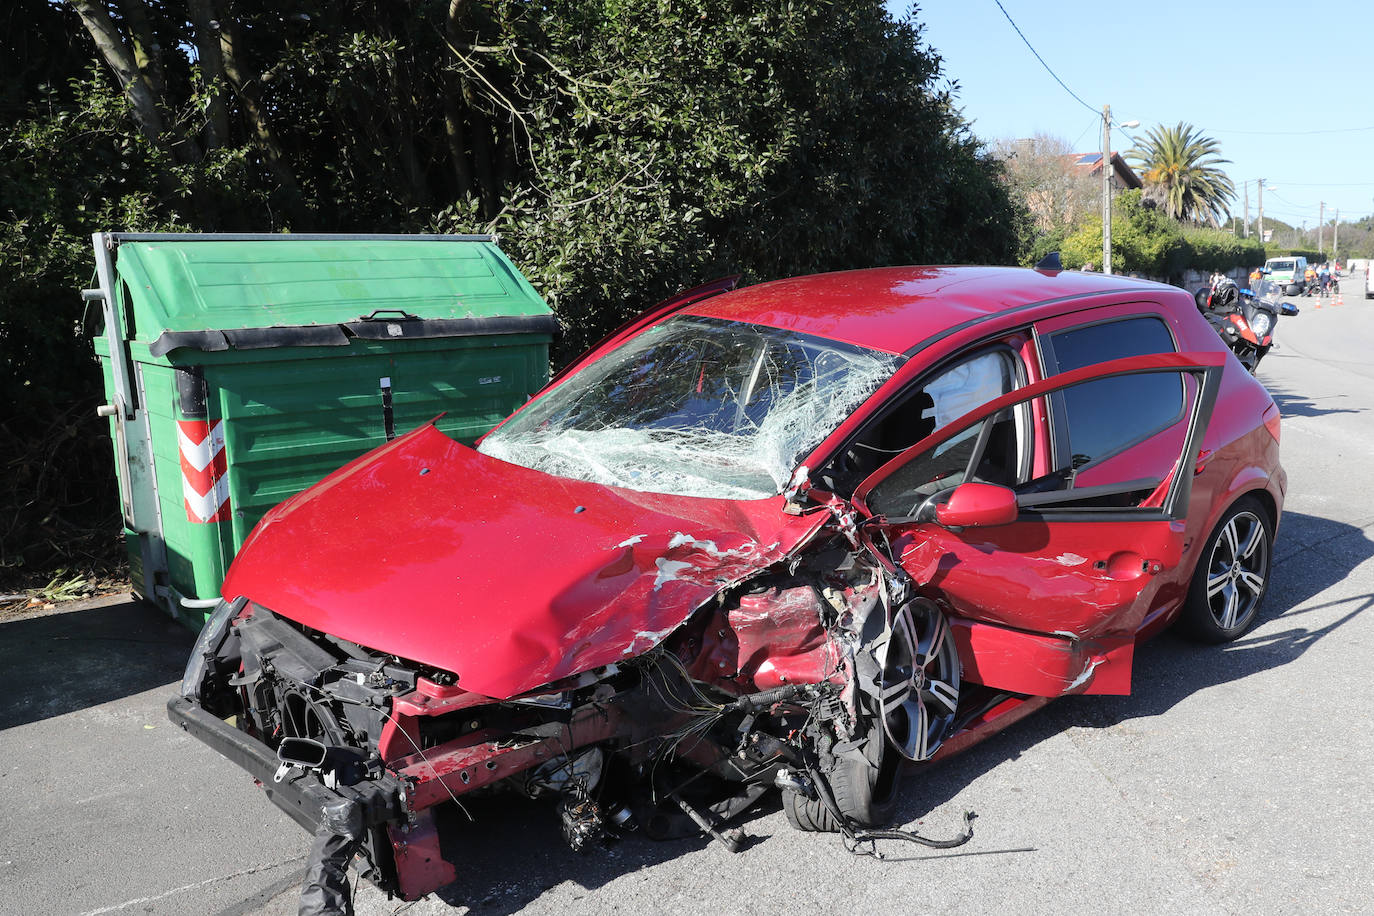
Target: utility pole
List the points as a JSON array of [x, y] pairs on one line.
[[1336, 236], [1106, 189], [1321, 226], [1107, 185], [1245, 189], [1261, 210]]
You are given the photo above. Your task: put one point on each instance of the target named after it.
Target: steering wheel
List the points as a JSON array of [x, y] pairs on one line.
[[932, 494]]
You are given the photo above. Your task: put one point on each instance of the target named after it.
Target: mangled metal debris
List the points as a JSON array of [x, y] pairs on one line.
[[806, 668]]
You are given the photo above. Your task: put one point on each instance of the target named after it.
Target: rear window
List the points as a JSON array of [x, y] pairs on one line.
[[1107, 416]]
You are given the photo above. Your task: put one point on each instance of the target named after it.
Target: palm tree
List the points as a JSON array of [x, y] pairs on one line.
[[1180, 169]]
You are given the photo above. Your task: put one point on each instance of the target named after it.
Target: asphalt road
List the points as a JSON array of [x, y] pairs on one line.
[[1233, 780]]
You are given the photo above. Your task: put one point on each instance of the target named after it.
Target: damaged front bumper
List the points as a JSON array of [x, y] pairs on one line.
[[788, 672], [300, 794], [371, 806]]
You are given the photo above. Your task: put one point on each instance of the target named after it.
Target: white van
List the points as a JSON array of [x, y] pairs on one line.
[[1287, 273]]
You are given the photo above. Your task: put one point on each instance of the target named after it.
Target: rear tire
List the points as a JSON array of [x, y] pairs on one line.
[[1232, 575]]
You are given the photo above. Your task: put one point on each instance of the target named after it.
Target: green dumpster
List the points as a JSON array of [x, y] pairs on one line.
[[240, 369]]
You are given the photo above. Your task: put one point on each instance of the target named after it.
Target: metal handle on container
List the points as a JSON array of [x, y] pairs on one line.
[[384, 314]]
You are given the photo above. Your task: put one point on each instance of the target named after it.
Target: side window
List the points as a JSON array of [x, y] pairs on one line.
[[987, 452], [948, 394], [978, 450], [1098, 420], [967, 385]]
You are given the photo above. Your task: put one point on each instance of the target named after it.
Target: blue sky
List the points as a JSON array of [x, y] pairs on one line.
[[1260, 77]]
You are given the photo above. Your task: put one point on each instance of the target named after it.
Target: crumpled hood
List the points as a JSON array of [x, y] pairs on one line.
[[508, 577]]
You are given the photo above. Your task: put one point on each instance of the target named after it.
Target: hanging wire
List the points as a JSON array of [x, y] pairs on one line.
[[1042, 60], [1292, 133], [386, 715], [1095, 125]]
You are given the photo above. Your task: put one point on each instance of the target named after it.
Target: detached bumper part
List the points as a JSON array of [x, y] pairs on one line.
[[303, 797], [340, 818], [326, 891]]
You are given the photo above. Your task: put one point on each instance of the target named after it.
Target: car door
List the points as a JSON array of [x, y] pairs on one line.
[[1045, 597]]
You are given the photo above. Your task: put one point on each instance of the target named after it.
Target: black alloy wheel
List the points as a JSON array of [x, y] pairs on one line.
[[1232, 575]]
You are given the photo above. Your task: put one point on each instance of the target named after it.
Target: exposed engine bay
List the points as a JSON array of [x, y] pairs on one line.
[[816, 676]]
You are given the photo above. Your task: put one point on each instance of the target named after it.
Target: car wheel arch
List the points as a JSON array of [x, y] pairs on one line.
[[1249, 481]]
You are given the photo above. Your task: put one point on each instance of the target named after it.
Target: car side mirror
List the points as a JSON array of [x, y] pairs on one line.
[[977, 505]]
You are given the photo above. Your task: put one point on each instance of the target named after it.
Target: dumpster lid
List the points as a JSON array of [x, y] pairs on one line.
[[219, 292]]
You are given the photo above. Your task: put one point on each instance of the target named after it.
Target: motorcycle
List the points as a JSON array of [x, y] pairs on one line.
[[1328, 287], [1245, 318]]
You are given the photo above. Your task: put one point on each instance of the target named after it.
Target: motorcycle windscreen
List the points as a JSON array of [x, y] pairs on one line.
[[1050, 602]]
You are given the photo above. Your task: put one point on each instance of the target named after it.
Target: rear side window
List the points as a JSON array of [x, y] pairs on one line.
[[1099, 419]]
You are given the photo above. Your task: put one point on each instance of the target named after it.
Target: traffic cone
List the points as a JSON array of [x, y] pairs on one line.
[[1340, 300]]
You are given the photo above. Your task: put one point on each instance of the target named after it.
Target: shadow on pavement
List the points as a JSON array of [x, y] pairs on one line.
[[1298, 405], [1167, 670], [1171, 668], [515, 854], [69, 660], [59, 663]]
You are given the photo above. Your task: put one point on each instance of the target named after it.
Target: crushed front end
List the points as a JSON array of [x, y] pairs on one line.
[[812, 675]]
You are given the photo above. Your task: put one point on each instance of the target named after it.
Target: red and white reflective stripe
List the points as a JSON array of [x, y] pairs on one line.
[[203, 480]]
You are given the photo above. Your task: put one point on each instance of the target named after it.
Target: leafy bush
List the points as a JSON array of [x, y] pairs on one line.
[[623, 149], [1215, 250], [1146, 241], [1037, 247], [1278, 251], [727, 138]]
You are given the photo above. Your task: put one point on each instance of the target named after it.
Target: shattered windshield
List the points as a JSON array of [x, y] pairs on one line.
[[695, 407]]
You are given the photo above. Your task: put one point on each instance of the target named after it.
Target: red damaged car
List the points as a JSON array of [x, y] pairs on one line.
[[790, 535]]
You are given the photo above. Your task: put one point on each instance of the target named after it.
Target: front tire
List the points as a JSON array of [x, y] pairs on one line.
[[918, 695], [1232, 575], [865, 787]]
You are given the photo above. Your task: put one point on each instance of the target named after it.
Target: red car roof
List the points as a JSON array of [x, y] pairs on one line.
[[894, 308]]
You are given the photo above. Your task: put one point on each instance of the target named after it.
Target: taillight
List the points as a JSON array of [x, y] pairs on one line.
[[1272, 420]]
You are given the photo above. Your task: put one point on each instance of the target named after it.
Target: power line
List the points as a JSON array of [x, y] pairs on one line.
[[1325, 184], [1289, 133], [1136, 142], [1042, 60], [1290, 203], [1096, 124], [1129, 136]]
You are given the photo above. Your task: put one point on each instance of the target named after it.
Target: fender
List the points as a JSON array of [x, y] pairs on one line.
[[1248, 479]]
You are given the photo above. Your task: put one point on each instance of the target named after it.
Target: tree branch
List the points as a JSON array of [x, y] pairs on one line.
[[453, 115], [248, 92], [211, 71], [96, 18]]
